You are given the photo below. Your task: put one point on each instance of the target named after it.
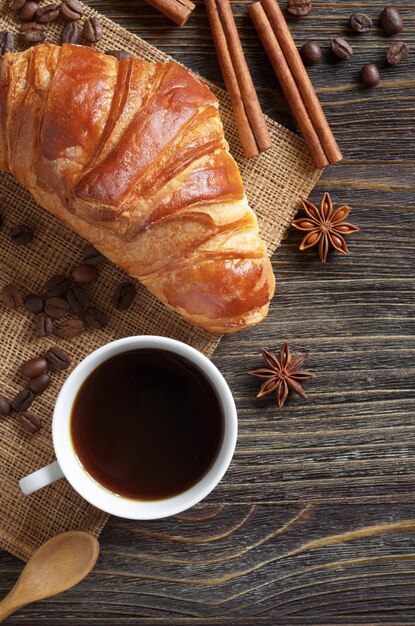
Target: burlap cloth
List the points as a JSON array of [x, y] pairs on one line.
[[274, 182]]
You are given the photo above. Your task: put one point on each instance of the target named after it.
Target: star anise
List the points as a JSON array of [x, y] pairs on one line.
[[325, 226], [282, 374]]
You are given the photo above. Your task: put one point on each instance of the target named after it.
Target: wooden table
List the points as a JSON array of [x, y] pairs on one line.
[[314, 522]]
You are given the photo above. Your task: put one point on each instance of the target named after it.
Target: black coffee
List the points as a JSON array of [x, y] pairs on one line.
[[147, 424]]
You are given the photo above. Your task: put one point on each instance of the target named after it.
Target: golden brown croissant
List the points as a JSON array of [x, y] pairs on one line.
[[132, 156]]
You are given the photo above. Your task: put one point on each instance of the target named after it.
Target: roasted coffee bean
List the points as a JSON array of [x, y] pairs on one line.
[[48, 13], [360, 22], [70, 33], [44, 325], [21, 235], [11, 297], [72, 328], [391, 20], [397, 53], [33, 33], [72, 10], [5, 407], [33, 303], [119, 54], [370, 75], [84, 274], [57, 285], [341, 48], [78, 299], [34, 367], [91, 255], [311, 53], [29, 421], [16, 5], [92, 30], [58, 358], [95, 318], [6, 42], [40, 383], [299, 8], [22, 400], [56, 307], [28, 11], [123, 296]]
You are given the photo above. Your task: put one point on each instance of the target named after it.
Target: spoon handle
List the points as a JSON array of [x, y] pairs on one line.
[[9, 605]]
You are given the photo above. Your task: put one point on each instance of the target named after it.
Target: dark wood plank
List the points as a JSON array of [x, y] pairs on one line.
[[314, 523]]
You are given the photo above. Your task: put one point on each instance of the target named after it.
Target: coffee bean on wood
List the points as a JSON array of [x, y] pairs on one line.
[[84, 274], [33, 32], [78, 299], [33, 303], [22, 401], [123, 296], [91, 255], [397, 53], [299, 8], [70, 33], [48, 13], [21, 235], [360, 22], [30, 422], [95, 318], [11, 296], [370, 75], [92, 30], [44, 325], [28, 11], [71, 10], [40, 383], [6, 42], [57, 285], [341, 48], [5, 407], [311, 53], [72, 328], [58, 358], [391, 20], [34, 367], [56, 307]]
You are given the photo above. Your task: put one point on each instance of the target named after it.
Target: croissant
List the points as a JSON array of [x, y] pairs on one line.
[[132, 156]]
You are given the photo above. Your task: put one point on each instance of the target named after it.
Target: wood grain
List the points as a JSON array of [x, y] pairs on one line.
[[314, 523]]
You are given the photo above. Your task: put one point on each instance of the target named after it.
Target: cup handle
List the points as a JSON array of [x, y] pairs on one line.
[[41, 478]]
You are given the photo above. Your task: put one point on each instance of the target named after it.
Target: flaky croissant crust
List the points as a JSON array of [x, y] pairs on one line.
[[132, 156]]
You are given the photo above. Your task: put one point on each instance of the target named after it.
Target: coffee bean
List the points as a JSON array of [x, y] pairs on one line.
[[397, 53], [48, 13], [29, 421], [6, 42], [72, 10], [360, 22], [311, 53], [58, 358], [11, 297], [78, 299], [21, 235], [91, 255], [123, 296], [84, 274], [33, 33], [40, 383], [56, 307], [341, 48], [5, 407], [28, 10], [95, 318], [72, 328], [16, 5], [299, 8], [33, 303], [34, 367], [391, 20], [370, 75], [92, 30], [57, 285], [119, 54], [70, 33], [22, 400], [44, 325]]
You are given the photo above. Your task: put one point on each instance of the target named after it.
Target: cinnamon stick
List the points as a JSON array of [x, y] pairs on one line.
[[293, 59], [287, 83], [250, 121], [178, 11]]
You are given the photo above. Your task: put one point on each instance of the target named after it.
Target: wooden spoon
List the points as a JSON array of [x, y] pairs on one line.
[[57, 565]]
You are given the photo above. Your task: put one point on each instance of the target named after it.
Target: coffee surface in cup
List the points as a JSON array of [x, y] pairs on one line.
[[147, 424]]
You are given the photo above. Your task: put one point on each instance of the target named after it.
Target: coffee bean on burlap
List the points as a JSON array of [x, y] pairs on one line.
[[91, 255], [6, 42], [34, 367], [71, 10], [78, 299], [48, 13], [21, 235], [119, 54], [5, 407], [40, 383], [56, 307], [30, 422], [16, 5], [57, 285], [58, 358], [123, 296], [70, 33], [92, 30], [44, 325], [33, 303], [84, 274], [28, 11], [72, 328], [95, 318], [33, 33], [11, 296], [22, 400]]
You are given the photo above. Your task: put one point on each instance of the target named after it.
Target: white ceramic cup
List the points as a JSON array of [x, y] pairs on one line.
[[67, 464]]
